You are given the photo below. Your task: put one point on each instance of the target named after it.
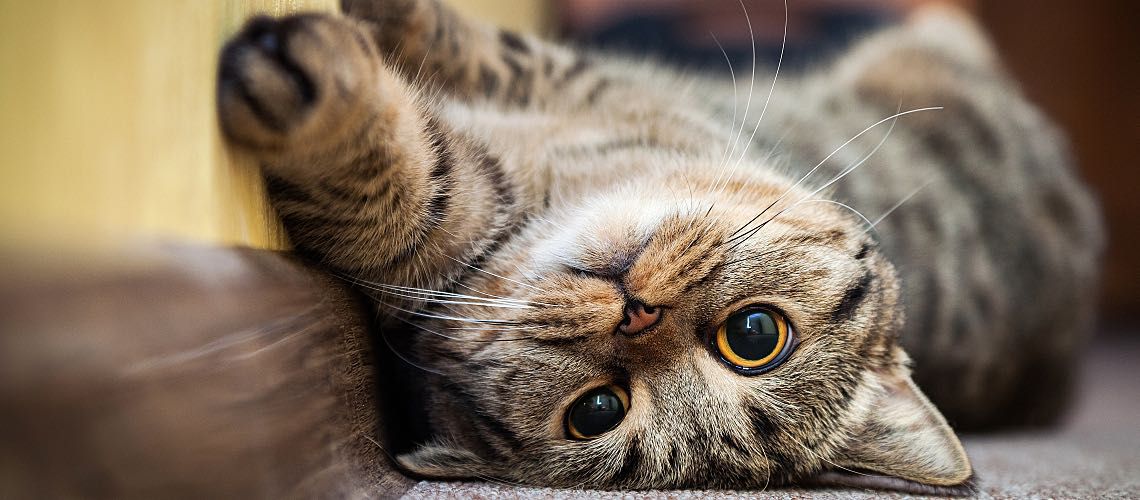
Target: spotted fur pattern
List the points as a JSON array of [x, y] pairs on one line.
[[504, 198]]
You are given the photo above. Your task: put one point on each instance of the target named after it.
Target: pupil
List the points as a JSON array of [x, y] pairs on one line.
[[753, 335], [598, 411]]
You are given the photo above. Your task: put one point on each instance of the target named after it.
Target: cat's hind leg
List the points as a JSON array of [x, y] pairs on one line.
[[366, 179]]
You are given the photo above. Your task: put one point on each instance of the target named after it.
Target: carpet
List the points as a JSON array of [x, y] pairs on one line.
[[1096, 454]]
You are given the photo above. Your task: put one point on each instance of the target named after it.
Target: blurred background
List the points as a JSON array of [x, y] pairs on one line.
[[130, 369], [1075, 59], [109, 136]]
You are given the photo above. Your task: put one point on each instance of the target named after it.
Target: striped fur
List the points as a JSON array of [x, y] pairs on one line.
[[507, 197]]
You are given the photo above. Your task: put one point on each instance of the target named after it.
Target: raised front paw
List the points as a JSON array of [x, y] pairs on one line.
[[294, 81]]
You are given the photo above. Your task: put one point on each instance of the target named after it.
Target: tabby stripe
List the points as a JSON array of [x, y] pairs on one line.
[[440, 18], [488, 80], [258, 109], [596, 92], [312, 210], [487, 419], [761, 423], [354, 195], [731, 441], [510, 224], [413, 247], [322, 223], [441, 173], [630, 463], [493, 169], [705, 278], [547, 67], [580, 65], [562, 342], [297, 75], [476, 262], [851, 299], [521, 80], [281, 189], [513, 42], [326, 196], [441, 149]]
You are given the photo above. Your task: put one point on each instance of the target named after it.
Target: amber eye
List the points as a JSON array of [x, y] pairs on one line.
[[597, 412], [754, 340]]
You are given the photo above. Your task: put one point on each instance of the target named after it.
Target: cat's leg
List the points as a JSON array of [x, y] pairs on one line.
[[435, 47], [366, 179]]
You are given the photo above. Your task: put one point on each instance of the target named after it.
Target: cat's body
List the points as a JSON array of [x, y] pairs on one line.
[[552, 222]]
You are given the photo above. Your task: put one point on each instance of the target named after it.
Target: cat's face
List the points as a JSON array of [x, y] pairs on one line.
[[651, 342]]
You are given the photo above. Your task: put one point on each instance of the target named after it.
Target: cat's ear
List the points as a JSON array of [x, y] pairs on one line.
[[442, 461], [951, 29], [927, 61], [906, 439]]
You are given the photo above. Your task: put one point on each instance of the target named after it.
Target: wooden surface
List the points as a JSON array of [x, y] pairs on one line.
[[186, 372], [1078, 61], [107, 122]]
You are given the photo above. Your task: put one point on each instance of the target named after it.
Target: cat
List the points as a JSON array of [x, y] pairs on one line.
[[621, 275]]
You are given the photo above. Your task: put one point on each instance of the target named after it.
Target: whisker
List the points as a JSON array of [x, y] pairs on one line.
[[900, 203], [427, 298], [774, 250], [735, 103], [767, 100], [392, 348], [771, 151], [500, 297], [448, 318], [870, 225], [532, 287], [423, 60], [751, 233], [458, 339], [737, 233], [751, 89], [496, 328], [767, 465], [427, 294], [857, 164], [488, 298], [466, 299]]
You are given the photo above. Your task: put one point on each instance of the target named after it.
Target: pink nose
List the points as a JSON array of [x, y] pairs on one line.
[[638, 318]]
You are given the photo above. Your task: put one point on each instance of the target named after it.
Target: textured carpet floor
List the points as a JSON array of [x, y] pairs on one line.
[[1096, 455]]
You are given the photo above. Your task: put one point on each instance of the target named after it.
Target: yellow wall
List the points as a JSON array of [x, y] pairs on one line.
[[107, 126]]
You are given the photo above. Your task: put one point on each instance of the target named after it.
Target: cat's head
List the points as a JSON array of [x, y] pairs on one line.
[[683, 333]]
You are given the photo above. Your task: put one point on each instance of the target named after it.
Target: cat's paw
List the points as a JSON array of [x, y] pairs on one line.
[[294, 80]]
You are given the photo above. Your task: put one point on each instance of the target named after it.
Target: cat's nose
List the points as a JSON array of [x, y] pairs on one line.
[[638, 318]]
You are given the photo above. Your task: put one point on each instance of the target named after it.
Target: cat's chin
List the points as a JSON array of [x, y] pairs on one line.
[[871, 480]]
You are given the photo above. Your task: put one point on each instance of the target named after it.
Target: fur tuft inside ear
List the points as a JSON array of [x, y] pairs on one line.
[[907, 438], [442, 461]]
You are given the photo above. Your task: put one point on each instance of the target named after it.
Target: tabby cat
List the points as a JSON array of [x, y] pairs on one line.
[[623, 276]]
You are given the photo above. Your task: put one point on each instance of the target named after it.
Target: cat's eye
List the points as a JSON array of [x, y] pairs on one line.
[[597, 412], [754, 340]]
